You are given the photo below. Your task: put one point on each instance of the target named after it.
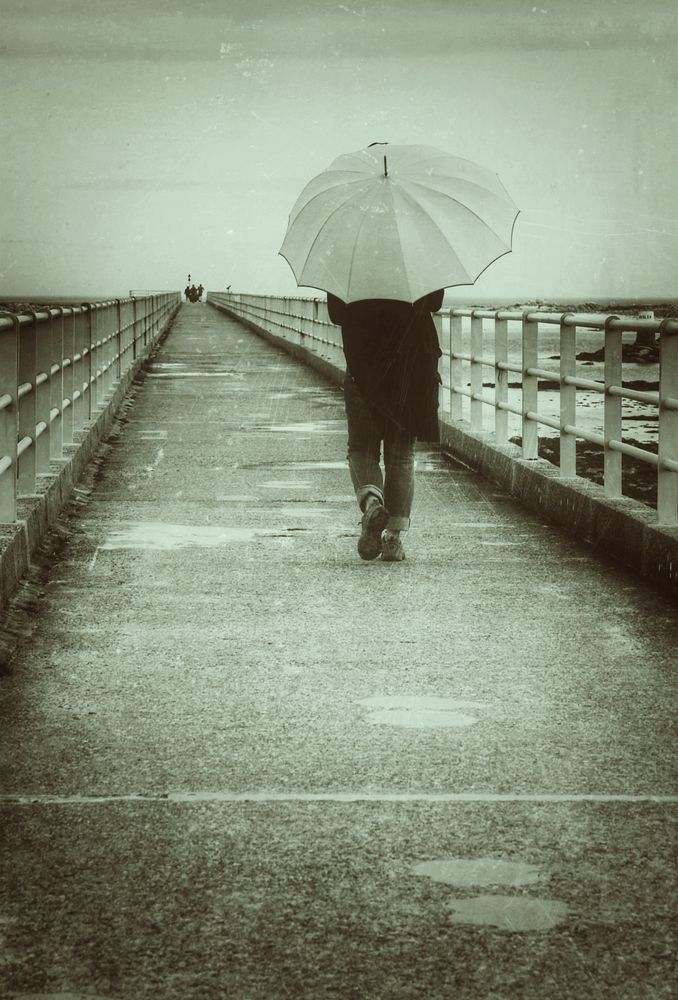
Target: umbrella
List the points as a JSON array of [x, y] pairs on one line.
[[397, 222]]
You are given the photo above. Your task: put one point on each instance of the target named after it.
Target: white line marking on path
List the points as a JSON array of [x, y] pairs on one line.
[[442, 797]]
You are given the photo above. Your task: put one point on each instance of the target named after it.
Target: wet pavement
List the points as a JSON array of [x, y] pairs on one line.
[[238, 761]]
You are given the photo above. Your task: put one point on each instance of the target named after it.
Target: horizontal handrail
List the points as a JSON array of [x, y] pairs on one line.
[[23, 445], [305, 322]]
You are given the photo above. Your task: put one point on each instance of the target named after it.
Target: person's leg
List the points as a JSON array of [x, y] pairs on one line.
[[364, 446], [364, 449], [398, 489]]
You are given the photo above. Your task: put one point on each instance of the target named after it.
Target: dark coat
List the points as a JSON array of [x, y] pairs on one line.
[[392, 352]]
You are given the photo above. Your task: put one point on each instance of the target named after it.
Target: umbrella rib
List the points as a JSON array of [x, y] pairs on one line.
[[397, 225], [325, 190], [429, 183], [319, 233], [459, 159], [353, 253], [432, 221], [451, 198]]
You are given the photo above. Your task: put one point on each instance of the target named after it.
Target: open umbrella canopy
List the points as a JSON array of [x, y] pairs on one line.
[[397, 222]]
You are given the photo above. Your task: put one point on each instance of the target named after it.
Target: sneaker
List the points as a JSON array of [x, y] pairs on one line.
[[374, 521], [392, 549]]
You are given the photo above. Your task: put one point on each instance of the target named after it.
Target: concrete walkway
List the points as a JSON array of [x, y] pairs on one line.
[[240, 762]]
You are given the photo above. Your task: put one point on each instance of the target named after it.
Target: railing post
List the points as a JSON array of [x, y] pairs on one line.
[[68, 382], [95, 357], [288, 318], [612, 411], [568, 398], [667, 479], [129, 355], [149, 332], [103, 335], [88, 369], [82, 366], [300, 324], [456, 367], [319, 347], [140, 339], [530, 428], [28, 363], [43, 394], [124, 335], [118, 341], [111, 317], [135, 321], [154, 319], [9, 418], [476, 372], [444, 341], [501, 421], [56, 440]]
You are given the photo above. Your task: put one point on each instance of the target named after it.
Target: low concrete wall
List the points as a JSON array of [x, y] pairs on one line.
[[37, 514], [623, 529]]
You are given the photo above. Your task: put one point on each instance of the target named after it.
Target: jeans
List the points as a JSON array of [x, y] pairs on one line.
[[367, 429]]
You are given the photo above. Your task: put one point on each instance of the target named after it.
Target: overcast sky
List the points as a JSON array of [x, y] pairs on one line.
[[144, 139]]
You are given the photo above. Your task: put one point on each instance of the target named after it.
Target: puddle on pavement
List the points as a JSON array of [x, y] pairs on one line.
[[236, 498], [431, 461], [509, 913], [158, 536], [310, 427], [501, 545], [420, 712], [300, 466], [321, 395], [170, 369], [478, 871], [421, 718], [59, 996], [236, 375], [287, 484], [147, 435], [476, 524]]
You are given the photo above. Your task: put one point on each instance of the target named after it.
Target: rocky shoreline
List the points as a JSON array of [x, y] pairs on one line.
[[639, 479]]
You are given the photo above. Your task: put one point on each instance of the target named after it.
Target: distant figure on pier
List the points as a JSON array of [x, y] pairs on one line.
[[187, 291], [201, 289], [391, 396]]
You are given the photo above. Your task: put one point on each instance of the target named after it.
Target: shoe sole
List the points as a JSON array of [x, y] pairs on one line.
[[369, 543], [393, 558]]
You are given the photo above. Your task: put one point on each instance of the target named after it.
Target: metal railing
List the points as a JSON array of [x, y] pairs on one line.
[[300, 321], [470, 350], [58, 368]]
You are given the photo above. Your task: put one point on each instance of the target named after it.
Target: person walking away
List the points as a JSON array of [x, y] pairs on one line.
[[391, 398]]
